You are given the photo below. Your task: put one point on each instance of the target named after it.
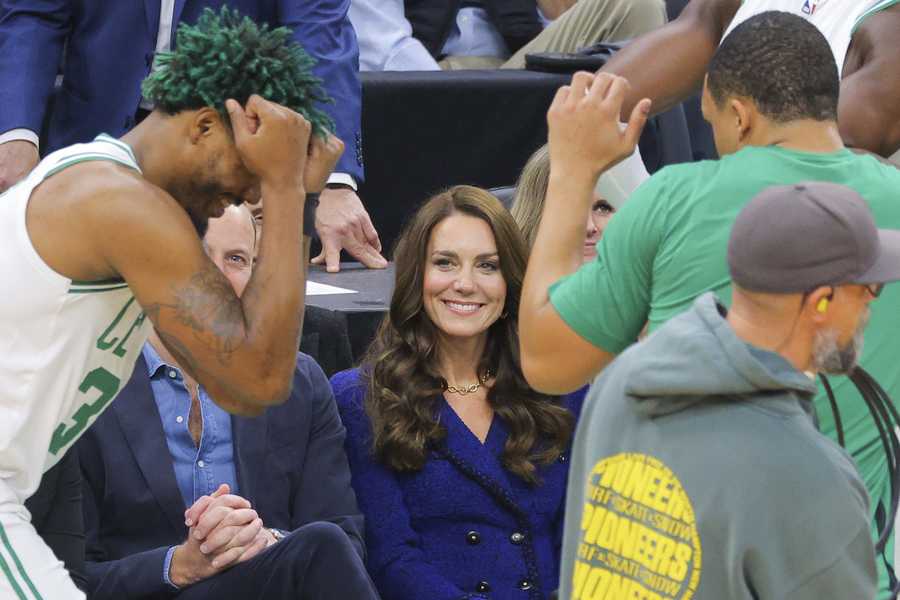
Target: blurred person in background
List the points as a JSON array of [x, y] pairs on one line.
[[405, 35], [667, 65], [613, 189]]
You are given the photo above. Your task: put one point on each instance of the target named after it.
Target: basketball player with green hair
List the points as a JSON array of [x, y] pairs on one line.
[[101, 239]]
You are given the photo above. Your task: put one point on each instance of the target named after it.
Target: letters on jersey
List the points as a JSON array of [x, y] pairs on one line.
[[100, 385]]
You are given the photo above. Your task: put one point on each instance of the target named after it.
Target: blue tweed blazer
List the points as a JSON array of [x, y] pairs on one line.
[[463, 526]]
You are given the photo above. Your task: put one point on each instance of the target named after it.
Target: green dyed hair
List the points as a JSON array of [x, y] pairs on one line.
[[227, 56]]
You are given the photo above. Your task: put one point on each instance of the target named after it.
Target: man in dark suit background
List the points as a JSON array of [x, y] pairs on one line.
[[57, 517], [107, 48], [271, 508]]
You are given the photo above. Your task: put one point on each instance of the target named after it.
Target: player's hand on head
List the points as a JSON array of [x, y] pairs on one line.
[[272, 140], [17, 159], [322, 155], [585, 136]]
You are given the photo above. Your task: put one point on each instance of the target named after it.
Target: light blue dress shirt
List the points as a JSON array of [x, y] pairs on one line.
[[198, 471], [386, 42]]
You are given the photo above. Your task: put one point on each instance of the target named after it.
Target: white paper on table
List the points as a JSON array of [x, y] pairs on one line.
[[314, 288]]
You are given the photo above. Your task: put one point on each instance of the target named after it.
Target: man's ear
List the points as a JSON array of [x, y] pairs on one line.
[[743, 112], [205, 123], [817, 304]]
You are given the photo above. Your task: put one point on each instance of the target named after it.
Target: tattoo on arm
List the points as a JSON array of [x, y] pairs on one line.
[[208, 306]]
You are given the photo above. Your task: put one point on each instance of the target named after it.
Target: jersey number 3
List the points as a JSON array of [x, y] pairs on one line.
[[99, 379]]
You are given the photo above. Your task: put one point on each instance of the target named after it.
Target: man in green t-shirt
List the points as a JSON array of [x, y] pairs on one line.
[[771, 96]]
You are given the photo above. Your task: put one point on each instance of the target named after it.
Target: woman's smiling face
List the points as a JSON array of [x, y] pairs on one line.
[[464, 291]]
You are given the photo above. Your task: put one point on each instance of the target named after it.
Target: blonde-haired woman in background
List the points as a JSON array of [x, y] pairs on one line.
[[613, 189]]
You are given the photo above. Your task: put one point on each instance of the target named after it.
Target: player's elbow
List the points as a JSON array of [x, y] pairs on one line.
[[275, 390], [243, 409], [254, 402], [872, 128], [540, 373], [261, 391]]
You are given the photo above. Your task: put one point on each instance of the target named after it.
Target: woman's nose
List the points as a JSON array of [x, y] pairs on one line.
[[463, 283]]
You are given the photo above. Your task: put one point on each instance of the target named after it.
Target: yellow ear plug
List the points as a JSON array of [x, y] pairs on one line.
[[822, 306]]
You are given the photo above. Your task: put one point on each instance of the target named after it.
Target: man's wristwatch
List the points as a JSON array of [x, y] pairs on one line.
[[277, 534]]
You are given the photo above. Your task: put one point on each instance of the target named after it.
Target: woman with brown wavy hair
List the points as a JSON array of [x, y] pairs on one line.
[[459, 467]]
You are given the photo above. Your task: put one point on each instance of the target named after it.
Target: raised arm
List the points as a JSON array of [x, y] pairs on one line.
[[241, 349], [869, 106], [584, 140], [668, 64]]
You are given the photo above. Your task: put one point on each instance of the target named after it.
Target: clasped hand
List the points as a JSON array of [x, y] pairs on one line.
[[224, 531]]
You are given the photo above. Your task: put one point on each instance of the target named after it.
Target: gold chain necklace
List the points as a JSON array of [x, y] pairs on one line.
[[467, 389]]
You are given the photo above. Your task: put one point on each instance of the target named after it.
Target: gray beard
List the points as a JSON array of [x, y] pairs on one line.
[[830, 358]]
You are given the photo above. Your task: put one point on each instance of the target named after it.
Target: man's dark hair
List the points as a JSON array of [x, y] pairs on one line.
[[228, 56], [781, 62]]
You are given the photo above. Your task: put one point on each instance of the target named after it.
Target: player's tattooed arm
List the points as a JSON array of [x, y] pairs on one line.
[[208, 307], [204, 326], [242, 350]]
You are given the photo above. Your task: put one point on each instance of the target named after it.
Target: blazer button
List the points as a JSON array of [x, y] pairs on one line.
[[563, 458], [517, 538], [473, 538], [483, 587], [525, 585]]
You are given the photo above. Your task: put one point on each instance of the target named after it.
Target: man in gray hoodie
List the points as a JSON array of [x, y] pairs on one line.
[[697, 469]]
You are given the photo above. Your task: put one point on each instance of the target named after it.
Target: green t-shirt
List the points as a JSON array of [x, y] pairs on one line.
[[668, 244]]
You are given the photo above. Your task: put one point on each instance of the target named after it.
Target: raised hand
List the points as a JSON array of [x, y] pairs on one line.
[[585, 136]]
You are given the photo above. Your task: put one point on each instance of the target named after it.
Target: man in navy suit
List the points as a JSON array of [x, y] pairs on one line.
[[107, 48], [182, 499]]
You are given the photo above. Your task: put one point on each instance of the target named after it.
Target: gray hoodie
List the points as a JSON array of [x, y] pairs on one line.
[[698, 473]]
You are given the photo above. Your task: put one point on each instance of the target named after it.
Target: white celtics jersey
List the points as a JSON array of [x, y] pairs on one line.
[[66, 347], [836, 19]]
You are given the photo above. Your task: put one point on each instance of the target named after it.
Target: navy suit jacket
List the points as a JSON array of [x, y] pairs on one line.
[[290, 465], [463, 526], [110, 51]]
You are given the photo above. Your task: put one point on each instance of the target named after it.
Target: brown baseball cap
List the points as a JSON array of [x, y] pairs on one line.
[[795, 238]]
